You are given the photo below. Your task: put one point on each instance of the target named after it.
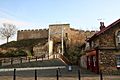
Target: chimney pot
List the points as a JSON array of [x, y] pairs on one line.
[[102, 25]]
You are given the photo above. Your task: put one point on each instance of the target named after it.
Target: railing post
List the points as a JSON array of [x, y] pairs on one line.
[[42, 57], [57, 74], [36, 58], [29, 59], [11, 61], [20, 59], [101, 75], [48, 57], [1, 61], [79, 74], [14, 74], [35, 74], [4, 60]]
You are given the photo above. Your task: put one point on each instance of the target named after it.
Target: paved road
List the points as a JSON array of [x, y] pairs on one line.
[[50, 73]]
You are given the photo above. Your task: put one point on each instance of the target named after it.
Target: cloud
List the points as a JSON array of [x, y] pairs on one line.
[[15, 22], [2, 41]]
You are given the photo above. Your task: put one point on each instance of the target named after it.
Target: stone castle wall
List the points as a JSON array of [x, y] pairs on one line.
[[32, 34], [74, 36], [56, 31], [79, 36]]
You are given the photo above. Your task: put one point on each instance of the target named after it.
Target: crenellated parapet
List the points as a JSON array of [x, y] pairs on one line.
[[74, 36], [84, 31], [32, 34], [32, 30]]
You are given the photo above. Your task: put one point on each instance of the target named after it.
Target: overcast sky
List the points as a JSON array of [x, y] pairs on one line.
[[80, 14]]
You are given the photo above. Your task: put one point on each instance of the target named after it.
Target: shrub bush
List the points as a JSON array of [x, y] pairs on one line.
[[20, 53], [12, 53]]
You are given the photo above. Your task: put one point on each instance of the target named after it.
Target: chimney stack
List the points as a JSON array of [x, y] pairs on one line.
[[102, 25]]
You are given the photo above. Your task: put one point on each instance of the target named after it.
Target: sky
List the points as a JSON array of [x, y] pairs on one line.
[[37, 14]]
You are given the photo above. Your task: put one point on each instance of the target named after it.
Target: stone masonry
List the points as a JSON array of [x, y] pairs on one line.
[[71, 33], [71, 36], [32, 34]]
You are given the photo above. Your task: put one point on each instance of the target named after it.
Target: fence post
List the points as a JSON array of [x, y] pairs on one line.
[[29, 59], [79, 74], [4, 60], [57, 74], [101, 75], [36, 58], [14, 74], [48, 56], [0, 62], [42, 57], [20, 59], [35, 74], [11, 61]]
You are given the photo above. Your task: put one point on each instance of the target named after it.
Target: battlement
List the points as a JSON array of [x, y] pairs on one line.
[[32, 34], [54, 28], [32, 30], [73, 29], [83, 31], [59, 25], [88, 31]]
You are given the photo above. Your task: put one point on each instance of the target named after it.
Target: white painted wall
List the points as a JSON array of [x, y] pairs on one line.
[[50, 47]]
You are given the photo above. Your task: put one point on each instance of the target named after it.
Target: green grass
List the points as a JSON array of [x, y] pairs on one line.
[[24, 43]]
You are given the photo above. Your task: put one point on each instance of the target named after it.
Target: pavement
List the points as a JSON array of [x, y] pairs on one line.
[[47, 71], [26, 71], [50, 73]]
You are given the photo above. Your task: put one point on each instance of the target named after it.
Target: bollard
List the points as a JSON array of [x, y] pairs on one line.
[[79, 74], [35, 74], [57, 74], [14, 74], [101, 75]]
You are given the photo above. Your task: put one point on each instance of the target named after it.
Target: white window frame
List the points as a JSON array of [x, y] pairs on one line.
[[118, 40], [94, 61], [118, 60], [118, 37]]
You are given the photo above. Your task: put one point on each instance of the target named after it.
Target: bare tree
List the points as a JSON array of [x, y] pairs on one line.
[[7, 31]]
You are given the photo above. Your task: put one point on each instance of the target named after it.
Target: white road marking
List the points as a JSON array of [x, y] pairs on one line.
[[33, 68]]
